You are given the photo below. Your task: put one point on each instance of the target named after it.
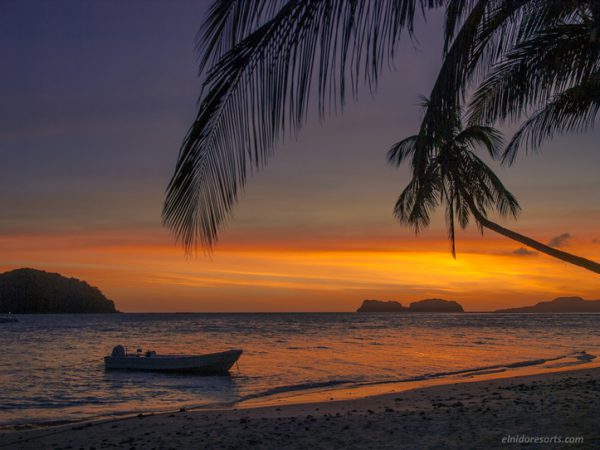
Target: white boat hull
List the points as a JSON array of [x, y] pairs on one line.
[[214, 363]]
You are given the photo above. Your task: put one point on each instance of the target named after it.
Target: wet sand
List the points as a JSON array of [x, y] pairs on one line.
[[464, 415]]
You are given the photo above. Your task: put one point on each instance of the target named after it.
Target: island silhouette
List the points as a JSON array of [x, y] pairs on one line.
[[27, 290], [426, 305], [558, 305]]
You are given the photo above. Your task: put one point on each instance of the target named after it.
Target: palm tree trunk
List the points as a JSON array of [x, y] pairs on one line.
[[564, 256]]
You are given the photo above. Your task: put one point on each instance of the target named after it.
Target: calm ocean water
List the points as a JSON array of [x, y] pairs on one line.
[[51, 366]]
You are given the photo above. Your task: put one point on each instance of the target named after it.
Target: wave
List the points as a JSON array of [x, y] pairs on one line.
[[579, 357], [318, 347], [296, 387]]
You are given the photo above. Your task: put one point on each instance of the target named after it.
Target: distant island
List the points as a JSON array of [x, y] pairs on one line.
[[558, 305], [381, 306], [429, 305], [36, 291]]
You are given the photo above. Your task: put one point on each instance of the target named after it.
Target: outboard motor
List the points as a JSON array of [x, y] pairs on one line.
[[118, 352]]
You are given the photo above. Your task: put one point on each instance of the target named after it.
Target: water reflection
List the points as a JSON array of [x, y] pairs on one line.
[[52, 365]]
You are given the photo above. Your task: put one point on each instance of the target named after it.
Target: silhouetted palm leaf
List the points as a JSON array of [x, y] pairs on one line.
[[260, 88], [534, 71], [228, 22], [575, 109]]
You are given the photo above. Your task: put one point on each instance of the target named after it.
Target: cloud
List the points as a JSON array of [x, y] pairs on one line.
[[522, 251], [560, 240]]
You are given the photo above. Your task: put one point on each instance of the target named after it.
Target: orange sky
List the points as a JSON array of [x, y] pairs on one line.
[[144, 271]]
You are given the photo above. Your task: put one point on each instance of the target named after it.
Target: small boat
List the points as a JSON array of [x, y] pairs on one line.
[[8, 318], [212, 363]]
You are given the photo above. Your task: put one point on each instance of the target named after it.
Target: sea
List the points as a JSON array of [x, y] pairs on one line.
[[52, 370]]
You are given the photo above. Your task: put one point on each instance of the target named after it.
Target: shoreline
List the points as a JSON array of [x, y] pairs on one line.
[[314, 419], [372, 389], [327, 391]]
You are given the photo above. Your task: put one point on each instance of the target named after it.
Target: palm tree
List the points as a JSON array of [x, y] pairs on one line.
[[261, 60], [535, 55], [531, 56], [456, 177]]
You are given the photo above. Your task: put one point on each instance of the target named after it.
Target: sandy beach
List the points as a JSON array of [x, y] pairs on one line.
[[551, 410]]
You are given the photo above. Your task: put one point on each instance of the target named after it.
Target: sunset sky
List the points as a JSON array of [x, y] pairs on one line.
[[96, 99]]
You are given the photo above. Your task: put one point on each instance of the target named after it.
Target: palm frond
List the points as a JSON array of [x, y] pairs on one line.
[[484, 186], [401, 151], [450, 212], [462, 212], [260, 89], [228, 22], [476, 136], [533, 71], [575, 109], [487, 31], [456, 10], [417, 201]]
